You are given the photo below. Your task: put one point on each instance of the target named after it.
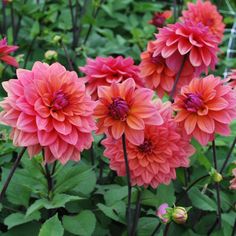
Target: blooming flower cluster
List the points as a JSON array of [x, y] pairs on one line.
[[51, 109]]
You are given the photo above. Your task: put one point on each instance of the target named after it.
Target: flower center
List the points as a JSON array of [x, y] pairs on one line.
[[146, 146], [193, 102], [118, 109], [59, 101]]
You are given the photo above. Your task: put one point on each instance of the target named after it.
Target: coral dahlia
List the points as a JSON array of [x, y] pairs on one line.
[[187, 42], [208, 15], [5, 50], [48, 108], [104, 71], [158, 76], [154, 161], [205, 107], [122, 109]]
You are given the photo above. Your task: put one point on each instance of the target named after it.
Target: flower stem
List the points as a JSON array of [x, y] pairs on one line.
[[217, 186], [172, 93], [156, 229], [129, 184], [49, 180], [16, 163], [166, 229], [228, 156], [67, 56], [137, 213]]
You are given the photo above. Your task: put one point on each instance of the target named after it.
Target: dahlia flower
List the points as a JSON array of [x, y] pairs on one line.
[[232, 78], [207, 14], [104, 71], [158, 76], [159, 18], [48, 108], [122, 109], [233, 181], [5, 50], [187, 42], [205, 107], [153, 162]]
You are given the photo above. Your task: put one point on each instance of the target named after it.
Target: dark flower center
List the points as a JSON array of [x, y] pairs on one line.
[[193, 102], [59, 101], [118, 109], [146, 146]]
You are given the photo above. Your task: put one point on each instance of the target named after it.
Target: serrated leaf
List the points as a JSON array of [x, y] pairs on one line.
[[52, 227], [83, 224]]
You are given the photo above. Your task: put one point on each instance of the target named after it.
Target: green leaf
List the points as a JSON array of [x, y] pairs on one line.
[[201, 201], [59, 200], [114, 195], [115, 212], [19, 218], [83, 224], [52, 227], [35, 29], [147, 225]]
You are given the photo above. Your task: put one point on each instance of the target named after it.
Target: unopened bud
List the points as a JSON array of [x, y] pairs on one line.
[[216, 176], [57, 39], [179, 215], [51, 55]]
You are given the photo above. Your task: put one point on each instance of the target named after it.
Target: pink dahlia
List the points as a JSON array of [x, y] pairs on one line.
[[154, 161], [233, 181], [207, 14], [122, 109], [5, 50], [205, 107], [157, 75], [48, 108], [159, 18], [187, 42], [104, 71], [232, 78]]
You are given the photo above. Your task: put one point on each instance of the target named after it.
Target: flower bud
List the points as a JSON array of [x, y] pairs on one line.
[[50, 55], [56, 39], [179, 215], [162, 213], [216, 176]]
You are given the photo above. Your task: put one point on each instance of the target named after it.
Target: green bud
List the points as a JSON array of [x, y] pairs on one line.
[[51, 55], [179, 215], [57, 39], [216, 176]]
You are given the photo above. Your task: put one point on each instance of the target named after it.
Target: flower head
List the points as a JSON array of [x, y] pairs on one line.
[[104, 71], [5, 50], [205, 107], [154, 161], [233, 181], [162, 212], [159, 18], [207, 14], [157, 75], [187, 42], [122, 109], [48, 108]]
